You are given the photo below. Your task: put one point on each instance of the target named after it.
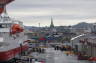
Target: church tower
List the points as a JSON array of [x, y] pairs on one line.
[[51, 25]]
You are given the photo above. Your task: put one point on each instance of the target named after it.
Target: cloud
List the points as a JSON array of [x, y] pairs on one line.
[[72, 11]]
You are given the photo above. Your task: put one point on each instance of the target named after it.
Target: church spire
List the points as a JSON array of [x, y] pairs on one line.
[[51, 25]]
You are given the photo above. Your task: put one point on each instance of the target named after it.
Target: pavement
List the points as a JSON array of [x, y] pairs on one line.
[[54, 56]]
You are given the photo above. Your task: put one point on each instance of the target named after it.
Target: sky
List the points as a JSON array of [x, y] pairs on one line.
[[63, 12]]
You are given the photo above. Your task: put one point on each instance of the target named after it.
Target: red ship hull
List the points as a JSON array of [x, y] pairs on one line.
[[10, 54]]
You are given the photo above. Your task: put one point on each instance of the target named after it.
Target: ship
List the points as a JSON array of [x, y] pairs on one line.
[[13, 40]]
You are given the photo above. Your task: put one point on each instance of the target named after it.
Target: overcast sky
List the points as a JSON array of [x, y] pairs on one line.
[[64, 12]]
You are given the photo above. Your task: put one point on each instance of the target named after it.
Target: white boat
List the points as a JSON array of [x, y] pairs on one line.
[[13, 41]]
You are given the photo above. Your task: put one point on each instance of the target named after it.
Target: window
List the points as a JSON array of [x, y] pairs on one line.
[[4, 25]]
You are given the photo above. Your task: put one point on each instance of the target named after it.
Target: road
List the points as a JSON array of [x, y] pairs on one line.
[[53, 56], [60, 57]]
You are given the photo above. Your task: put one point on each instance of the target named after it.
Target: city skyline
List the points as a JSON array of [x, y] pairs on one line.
[[64, 12]]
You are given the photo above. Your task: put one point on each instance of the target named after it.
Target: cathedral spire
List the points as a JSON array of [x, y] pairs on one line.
[[51, 25]]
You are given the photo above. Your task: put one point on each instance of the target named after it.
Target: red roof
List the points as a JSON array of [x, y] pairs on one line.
[[42, 38]]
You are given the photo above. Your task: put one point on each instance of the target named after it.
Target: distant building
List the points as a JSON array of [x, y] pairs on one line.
[[51, 25], [86, 43], [79, 31]]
